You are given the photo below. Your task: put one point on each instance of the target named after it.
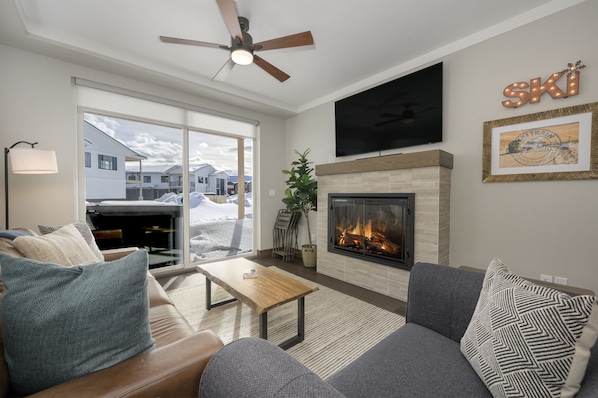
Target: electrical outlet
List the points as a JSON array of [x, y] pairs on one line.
[[561, 280], [546, 278]]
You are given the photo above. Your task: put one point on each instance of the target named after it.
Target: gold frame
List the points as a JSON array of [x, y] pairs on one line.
[[539, 120]]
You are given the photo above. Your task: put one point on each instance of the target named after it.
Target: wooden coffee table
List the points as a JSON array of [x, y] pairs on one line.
[[270, 289]]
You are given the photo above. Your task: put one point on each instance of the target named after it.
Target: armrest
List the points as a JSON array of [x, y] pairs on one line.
[[170, 371], [443, 298], [570, 290], [253, 367], [115, 254]]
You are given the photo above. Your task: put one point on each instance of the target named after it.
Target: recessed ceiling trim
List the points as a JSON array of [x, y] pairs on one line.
[[478, 37]]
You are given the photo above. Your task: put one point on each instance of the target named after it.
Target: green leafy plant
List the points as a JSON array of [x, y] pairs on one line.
[[301, 194]]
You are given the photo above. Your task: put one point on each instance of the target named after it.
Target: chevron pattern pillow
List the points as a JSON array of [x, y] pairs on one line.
[[526, 340]]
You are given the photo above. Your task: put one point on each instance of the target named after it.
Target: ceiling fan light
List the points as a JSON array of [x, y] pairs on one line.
[[241, 56]]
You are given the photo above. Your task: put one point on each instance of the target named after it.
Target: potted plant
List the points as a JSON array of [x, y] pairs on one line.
[[301, 196]]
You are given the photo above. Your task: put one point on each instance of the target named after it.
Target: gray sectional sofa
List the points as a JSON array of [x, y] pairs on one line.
[[421, 359]]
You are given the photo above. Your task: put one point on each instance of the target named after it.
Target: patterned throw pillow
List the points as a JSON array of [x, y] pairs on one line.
[[526, 340], [85, 232], [60, 323], [64, 246]]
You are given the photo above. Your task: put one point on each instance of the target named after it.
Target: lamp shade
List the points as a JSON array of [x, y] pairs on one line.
[[33, 161], [241, 56]]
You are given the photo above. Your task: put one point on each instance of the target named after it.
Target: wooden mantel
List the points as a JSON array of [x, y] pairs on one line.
[[390, 162]]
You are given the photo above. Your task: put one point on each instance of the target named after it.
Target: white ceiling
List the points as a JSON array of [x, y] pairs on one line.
[[358, 43]]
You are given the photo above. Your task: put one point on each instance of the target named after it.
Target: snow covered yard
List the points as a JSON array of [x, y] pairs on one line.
[[215, 229]]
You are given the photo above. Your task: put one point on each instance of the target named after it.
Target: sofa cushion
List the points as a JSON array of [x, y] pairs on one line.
[[64, 246], [413, 361], [85, 232], [63, 322], [529, 340]]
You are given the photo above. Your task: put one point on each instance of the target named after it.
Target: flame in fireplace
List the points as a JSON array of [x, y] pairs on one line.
[[360, 234]]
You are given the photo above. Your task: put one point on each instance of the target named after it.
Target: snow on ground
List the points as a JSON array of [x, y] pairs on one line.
[[215, 229]]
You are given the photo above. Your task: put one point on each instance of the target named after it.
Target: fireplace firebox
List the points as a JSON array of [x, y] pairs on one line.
[[373, 227]]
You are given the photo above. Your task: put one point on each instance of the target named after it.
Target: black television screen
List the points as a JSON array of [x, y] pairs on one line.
[[401, 113]]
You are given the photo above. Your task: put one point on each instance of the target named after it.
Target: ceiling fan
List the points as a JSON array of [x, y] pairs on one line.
[[242, 49], [407, 116]]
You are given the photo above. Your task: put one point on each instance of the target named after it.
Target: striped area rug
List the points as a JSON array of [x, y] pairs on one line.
[[338, 327]]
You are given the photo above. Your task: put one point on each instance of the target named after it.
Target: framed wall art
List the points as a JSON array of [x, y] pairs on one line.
[[561, 144]]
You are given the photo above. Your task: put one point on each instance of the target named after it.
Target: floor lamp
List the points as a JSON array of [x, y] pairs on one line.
[[27, 161]]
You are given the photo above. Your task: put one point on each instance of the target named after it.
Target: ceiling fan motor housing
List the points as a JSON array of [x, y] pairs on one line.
[[244, 23], [247, 43]]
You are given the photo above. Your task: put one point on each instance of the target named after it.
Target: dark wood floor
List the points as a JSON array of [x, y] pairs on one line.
[[296, 267]]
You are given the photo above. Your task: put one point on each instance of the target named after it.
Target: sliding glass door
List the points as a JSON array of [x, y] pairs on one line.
[[220, 196], [156, 187]]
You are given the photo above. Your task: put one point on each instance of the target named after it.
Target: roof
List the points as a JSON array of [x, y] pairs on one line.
[[90, 130], [236, 178]]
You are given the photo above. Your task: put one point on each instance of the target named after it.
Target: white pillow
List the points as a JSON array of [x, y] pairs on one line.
[[526, 340], [85, 232], [64, 246]]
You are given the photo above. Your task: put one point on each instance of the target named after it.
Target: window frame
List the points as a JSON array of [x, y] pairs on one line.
[[111, 161]]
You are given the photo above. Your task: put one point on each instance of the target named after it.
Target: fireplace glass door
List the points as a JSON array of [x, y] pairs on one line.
[[374, 227]]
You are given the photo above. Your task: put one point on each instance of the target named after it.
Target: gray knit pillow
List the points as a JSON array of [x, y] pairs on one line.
[[64, 322], [85, 232]]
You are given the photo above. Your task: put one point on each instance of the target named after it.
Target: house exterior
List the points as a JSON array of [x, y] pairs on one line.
[[201, 177], [154, 184], [233, 185], [105, 158], [158, 181]]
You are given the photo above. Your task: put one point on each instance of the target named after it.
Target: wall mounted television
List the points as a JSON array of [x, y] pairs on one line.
[[401, 113]]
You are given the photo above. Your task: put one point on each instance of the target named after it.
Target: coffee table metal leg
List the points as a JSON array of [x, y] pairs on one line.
[[209, 304], [264, 325], [300, 327], [301, 318], [208, 294]]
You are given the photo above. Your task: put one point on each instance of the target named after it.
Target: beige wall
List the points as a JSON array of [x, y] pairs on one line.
[[534, 227], [38, 103]]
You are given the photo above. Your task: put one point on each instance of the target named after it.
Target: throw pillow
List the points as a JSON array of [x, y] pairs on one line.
[[13, 233], [526, 340], [85, 232], [65, 246], [64, 322]]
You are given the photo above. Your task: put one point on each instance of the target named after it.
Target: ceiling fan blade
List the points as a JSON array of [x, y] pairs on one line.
[[271, 69], [296, 40], [386, 114], [224, 71], [176, 40], [426, 110], [388, 121], [231, 19]]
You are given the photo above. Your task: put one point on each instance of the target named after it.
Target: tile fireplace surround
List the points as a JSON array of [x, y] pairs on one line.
[[428, 175]]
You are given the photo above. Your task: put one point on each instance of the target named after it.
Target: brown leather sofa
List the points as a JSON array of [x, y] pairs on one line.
[[172, 369]]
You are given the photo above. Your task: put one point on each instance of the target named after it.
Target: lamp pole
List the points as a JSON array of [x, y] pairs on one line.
[[6, 186], [6, 150]]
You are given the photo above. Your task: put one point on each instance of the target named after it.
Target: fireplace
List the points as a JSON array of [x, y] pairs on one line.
[[373, 227]]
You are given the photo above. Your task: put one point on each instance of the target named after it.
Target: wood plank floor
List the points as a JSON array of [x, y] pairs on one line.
[[296, 267]]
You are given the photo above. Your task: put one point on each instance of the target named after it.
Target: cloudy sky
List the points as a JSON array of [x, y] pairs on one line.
[[163, 146]]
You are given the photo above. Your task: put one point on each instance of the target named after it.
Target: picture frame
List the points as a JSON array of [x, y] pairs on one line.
[[560, 144]]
